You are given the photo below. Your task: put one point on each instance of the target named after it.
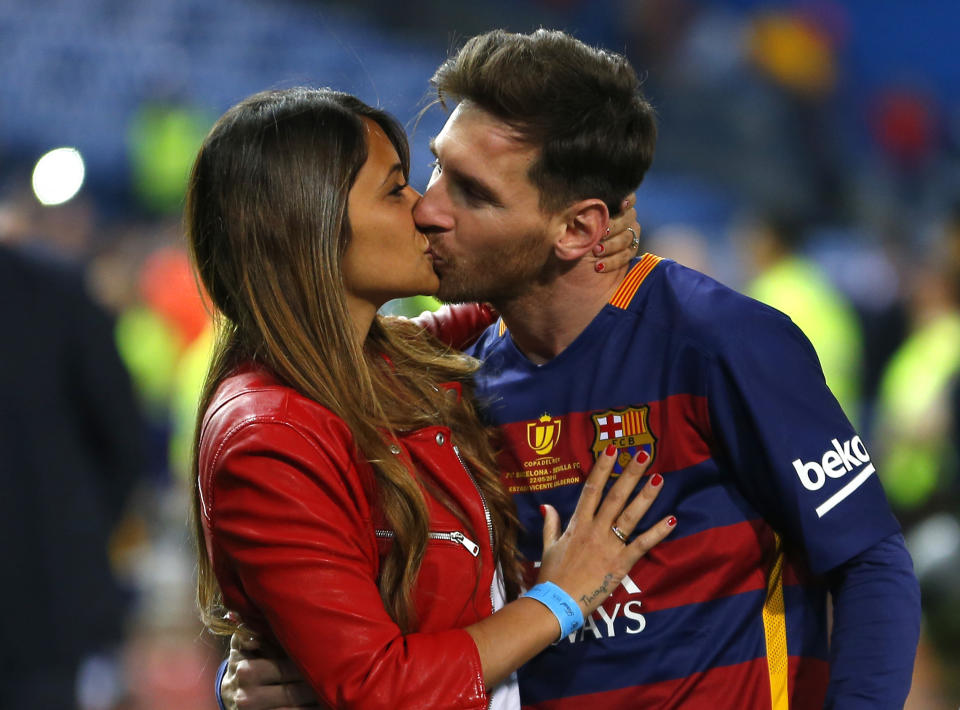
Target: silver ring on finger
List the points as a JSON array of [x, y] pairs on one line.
[[635, 242], [619, 533]]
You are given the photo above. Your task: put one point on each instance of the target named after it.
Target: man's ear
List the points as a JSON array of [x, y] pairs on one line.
[[583, 224]]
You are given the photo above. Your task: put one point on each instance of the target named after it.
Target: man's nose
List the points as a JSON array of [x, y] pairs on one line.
[[432, 213]]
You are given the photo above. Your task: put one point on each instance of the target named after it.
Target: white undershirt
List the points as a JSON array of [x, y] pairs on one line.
[[505, 696]]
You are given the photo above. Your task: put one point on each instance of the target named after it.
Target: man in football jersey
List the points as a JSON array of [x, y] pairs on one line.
[[779, 505]]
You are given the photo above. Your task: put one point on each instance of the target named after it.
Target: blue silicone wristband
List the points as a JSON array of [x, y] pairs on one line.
[[561, 604], [221, 671]]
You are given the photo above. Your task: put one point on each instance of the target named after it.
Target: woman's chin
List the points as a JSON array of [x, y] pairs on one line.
[[427, 287], [431, 286]]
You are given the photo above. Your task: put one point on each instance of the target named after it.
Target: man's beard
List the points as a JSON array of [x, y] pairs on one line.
[[495, 276]]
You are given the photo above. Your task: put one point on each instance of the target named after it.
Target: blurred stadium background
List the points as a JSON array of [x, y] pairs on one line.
[[809, 155]]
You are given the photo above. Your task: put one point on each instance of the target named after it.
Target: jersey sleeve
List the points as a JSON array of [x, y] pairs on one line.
[[459, 325], [291, 522], [876, 628], [787, 442]]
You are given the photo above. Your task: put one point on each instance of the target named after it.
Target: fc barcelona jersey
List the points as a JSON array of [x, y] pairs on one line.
[[771, 485]]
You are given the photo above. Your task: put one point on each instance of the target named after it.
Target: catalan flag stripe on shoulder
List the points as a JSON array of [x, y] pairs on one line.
[[633, 279]]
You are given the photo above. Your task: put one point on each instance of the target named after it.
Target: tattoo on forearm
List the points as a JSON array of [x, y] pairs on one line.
[[602, 589]]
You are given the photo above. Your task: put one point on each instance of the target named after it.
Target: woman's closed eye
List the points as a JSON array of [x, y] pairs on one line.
[[398, 189]]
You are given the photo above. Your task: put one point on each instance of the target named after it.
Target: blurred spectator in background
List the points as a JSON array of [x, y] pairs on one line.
[[784, 278], [916, 436], [914, 431], [70, 452], [163, 139], [156, 330], [142, 275]]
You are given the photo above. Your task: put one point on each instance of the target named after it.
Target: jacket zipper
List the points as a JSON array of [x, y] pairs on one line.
[[453, 536], [486, 515], [483, 500], [459, 537]]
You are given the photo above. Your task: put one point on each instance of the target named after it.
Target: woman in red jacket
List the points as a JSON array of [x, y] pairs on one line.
[[348, 505]]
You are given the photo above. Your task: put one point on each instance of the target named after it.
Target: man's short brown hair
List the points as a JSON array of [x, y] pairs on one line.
[[580, 105]]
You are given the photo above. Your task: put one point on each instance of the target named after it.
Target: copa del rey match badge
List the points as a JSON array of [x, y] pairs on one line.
[[543, 434], [628, 429]]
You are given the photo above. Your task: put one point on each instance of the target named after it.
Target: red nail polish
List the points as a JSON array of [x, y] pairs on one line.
[[543, 511], [611, 450], [656, 480], [599, 266], [599, 249], [671, 521], [642, 456]]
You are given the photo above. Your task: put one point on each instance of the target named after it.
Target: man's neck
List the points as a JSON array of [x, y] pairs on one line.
[[549, 316]]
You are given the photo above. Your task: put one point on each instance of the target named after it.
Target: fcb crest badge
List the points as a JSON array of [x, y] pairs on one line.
[[627, 429]]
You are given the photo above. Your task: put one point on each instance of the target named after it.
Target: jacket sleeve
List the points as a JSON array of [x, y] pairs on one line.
[[291, 522], [458, 326]]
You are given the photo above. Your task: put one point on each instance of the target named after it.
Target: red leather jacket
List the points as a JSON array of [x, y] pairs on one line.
[[291, 525]]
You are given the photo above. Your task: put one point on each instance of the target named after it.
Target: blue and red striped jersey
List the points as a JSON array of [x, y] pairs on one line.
[[771, 485]]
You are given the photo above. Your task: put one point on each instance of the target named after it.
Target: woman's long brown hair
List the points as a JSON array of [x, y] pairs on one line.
[[266, 220]]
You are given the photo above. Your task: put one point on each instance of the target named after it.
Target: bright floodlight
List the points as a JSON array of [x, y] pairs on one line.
[[58, 176]]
